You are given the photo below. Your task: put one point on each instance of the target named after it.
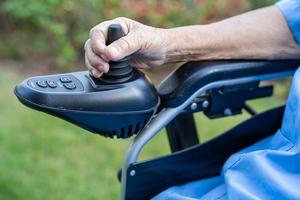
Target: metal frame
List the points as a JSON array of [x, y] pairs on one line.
[[166, 115]]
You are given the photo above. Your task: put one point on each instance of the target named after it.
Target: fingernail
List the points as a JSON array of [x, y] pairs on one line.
[[96, 73], [101, 68], [105, 69]]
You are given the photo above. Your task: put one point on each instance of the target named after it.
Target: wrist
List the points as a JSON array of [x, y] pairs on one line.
[[199, 42], [187, 43]]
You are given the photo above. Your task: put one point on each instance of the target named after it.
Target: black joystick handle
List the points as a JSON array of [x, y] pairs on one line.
[[119, 71], [114, 33]]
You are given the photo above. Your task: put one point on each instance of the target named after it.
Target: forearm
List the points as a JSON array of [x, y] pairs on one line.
[[259, 34]]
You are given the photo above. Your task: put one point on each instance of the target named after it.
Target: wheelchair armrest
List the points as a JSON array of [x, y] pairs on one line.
[[187, 79]]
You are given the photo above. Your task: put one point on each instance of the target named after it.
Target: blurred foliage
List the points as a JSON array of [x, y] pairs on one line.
[[54, 31], [259, 3]]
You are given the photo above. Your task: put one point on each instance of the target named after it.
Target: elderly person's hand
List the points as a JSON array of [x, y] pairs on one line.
[[147, 44], [259, 34]]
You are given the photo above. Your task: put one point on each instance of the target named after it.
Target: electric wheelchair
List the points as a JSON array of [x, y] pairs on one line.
[[124, 103]]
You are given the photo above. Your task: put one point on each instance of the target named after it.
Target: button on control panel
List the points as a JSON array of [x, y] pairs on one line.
[[65, 79], [58, 83], [41, 84], [70, 86], [51, 84]]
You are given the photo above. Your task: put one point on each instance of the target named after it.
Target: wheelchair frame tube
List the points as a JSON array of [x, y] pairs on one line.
[[168, 114]]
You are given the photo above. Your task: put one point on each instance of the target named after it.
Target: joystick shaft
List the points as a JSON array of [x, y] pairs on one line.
[[119, 71]]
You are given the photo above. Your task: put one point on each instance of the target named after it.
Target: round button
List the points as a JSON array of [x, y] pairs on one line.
[[51, 84], [70, 86], [41, 84], [65, 79]]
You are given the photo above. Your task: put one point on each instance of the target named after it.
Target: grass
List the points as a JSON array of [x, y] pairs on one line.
[[43, 157]]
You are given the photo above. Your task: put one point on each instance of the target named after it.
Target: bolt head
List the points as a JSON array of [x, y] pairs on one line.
[[132, 173], [227, 112], [194, 106], [205, 104]]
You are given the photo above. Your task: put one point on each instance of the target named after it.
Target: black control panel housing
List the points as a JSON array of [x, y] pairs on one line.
[[119, 109]]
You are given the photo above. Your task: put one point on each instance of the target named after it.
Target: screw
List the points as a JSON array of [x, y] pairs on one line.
[[205, 104], [194, 106], [132, 172], [227, 112]]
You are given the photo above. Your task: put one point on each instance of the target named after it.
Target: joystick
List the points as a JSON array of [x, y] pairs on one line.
[[119, 104], [119, 71]]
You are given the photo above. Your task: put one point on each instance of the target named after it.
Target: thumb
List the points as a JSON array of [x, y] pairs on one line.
[[123, 47]]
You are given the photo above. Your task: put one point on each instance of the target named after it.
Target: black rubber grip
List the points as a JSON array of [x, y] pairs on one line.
[[120, 71]]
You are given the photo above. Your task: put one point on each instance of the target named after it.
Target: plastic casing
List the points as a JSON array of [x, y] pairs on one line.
[[120, 109]]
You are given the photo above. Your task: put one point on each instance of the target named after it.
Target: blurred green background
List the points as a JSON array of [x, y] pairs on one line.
[[52, 32], [42, 157]]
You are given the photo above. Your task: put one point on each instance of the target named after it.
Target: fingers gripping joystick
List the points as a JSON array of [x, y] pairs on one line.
[[119, 71]]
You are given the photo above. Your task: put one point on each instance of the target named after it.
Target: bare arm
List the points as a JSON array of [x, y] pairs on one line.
[[259, 34]]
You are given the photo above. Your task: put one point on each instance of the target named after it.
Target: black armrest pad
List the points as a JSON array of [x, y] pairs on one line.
[[186, 80]]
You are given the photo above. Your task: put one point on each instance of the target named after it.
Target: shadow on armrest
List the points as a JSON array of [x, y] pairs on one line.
[[186, 80]]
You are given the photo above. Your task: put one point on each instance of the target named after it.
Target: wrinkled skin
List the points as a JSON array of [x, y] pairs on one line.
[[258, 34]]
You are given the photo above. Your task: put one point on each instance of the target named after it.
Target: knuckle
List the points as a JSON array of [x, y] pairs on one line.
[[121, 19], [95, 30], [125, 23], [92, 31], [86, 44], [96, 48], [125, 44]]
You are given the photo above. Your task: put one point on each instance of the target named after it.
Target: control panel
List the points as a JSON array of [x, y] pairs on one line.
[[64, 83]]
